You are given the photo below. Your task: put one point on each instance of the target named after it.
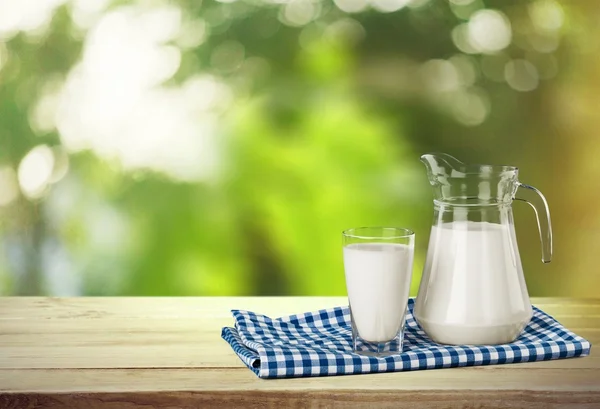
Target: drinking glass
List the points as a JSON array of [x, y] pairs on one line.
[[378, 268]]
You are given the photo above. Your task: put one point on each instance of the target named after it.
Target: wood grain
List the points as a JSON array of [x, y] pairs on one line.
[[498, 377], [312, 399], [167, 352]]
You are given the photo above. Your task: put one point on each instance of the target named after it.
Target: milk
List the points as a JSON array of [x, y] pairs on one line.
[[378, 282], [473, 290]]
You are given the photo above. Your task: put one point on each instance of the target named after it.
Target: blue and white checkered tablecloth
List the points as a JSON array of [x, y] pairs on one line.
[[319, 344]]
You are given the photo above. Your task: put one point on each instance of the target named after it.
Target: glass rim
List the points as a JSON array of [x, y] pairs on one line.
[[355, 233]]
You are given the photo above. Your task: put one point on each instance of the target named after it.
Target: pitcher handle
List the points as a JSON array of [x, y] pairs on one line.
[[537, 201]]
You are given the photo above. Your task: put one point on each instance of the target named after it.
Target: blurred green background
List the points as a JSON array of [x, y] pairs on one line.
[[220, 148]]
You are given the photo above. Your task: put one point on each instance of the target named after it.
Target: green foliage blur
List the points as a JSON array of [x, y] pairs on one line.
[[159, 147]]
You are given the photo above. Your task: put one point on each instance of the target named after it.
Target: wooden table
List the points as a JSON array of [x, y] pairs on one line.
[[167, 352]]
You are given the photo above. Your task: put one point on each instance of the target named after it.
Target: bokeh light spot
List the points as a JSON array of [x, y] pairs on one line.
[[216, 16], [389, 6], [352, 6], [61, 164], [299, 12], [192, 34], [227, 56], [255, 70], [415, 4], [465, 11], [85, 13], [489, 31], [26, 16], [168, 62], [115, 102], [204, 92], [466, 69], [521, 75], [9, 189], [346, 30], [470, 107], [543, 42], [546, 15], [439, 75], [42, 117], [460, 38], [35, 171], [161, 24]]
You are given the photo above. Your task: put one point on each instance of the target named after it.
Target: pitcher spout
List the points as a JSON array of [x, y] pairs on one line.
[[442, 164], [456, 182]]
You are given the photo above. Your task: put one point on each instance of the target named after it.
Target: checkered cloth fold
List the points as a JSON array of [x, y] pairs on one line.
[[319, 344]]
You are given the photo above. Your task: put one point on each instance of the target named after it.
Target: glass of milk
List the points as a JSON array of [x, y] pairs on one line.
[[378, 265]]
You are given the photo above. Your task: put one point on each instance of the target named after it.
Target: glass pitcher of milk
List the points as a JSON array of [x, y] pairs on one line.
[[473, 290]]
